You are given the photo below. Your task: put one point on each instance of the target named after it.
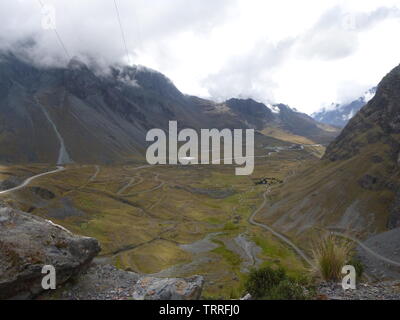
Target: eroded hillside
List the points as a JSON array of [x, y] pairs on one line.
[[354, 188]]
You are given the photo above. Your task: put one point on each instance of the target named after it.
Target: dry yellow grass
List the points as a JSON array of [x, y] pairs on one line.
[[143, 231], [286, 136], [330, 254]]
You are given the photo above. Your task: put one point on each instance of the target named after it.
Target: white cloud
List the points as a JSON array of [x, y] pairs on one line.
[[304, 53]]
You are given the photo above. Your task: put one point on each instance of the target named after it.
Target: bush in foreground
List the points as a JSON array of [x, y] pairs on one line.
[[273, 284], [287, 290], [357, 264]]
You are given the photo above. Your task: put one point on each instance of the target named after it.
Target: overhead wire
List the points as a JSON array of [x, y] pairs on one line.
[[64, 48], [122, 32]]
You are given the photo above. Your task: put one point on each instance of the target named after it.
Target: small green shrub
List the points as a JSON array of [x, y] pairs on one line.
[[261, 281], [274, 284], [287, 290], [357, 265]]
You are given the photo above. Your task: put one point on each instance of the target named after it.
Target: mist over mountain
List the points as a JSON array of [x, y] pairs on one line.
[[278, 215], [104, 117], [340, 114]]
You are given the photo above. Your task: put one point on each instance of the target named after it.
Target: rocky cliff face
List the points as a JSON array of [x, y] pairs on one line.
[[27, 243]]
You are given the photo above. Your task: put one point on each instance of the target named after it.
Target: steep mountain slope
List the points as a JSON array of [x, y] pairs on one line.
[[355, 186], [280, 120], [76, 114], [303, 125], [255, 114], [86, 116], [340, 114]]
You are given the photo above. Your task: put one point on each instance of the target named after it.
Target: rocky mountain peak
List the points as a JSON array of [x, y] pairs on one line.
[[339, 114], [146, 78], [249, 106]]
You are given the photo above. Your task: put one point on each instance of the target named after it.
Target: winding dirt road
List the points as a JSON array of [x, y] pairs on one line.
[[132, 180], [156, 178], [300, 252], [366, 248], [252, 221], [29, 180]]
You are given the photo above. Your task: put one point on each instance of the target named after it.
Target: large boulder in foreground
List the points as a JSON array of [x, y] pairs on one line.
[[27, 243], [149, 288]]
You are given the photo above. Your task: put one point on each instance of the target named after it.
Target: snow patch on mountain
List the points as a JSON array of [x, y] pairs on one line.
[[273, 108], [339, 114]]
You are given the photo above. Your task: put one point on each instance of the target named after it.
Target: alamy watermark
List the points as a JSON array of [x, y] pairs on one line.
[[349, 280], [49, 280], [161, 152]]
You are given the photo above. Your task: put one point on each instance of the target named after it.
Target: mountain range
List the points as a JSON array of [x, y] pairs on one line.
[[152, 219], [78, 114], [339, 114]]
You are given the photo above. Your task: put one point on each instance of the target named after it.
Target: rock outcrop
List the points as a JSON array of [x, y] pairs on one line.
[[27, 243], [148, 288]]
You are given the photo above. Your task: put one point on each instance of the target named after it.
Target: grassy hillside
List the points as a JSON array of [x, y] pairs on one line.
[[168, 220], [355, 188]]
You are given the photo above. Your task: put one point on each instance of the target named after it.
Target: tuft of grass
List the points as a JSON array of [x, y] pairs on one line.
[[330, 254]]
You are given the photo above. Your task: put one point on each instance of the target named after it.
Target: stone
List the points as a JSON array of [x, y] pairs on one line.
[[27, 243], [246, 297], [149, 288]]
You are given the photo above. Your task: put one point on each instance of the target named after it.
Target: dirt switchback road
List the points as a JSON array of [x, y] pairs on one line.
[[252, 221]]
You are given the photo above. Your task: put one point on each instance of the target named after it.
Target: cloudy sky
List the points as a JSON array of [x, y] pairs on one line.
[[307, 54]]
